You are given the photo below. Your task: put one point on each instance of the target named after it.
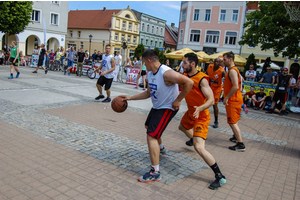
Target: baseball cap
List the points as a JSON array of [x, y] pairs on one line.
[[285, 69]]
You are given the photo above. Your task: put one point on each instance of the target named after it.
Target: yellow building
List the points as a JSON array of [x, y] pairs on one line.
[[124, 28]]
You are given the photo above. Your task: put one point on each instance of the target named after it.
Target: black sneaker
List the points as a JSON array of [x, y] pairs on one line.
[[281, 113], [219, 182], [34, 72], [216, 125], [233, 139], [238, 147], [101, 96], [106, 100], [46, 71], [189, 142], [269, 112]]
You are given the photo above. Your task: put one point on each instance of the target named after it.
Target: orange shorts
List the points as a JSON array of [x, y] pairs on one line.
[[233, 113], [200, 125], [217, 93]]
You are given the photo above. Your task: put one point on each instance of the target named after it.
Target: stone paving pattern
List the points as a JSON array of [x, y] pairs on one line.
[[57, 142]]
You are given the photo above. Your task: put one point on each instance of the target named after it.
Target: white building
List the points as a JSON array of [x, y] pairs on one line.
[[53, 15]]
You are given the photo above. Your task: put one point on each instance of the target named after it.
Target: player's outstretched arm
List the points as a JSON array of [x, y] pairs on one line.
[[208, 93], [143, 95], [171, 77]]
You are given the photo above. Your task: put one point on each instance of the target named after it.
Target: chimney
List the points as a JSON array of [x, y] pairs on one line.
[[104, 8], [172, 25]]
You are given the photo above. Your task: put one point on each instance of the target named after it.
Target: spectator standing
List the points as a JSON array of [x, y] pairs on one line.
[[180, 68], [250, 74], [62, 58], [108, 66], [118, 58], [52, 55], [127, 63], [135, 62], [216, 74], [98, 57], [268, 77], [2, 56], [35, 50], [41, 59], [141, 74], [290, 90], [14, 60], [87, 54], [233, 100], [81, 58], [71, 54], [168, 62], [94, 55], [258, 99], [298, 95], [283, 82], [47, 61], [57, 57]]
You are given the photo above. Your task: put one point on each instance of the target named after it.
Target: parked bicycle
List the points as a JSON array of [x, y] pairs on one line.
[[55, 65], [90, 72]]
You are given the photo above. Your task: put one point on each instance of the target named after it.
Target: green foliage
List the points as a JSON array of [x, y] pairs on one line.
[[15, 16], [250, 61], [139, 50], [266, 64], [271, 28], [171, 60]]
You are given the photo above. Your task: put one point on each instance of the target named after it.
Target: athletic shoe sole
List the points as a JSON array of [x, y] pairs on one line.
[[149, 180]]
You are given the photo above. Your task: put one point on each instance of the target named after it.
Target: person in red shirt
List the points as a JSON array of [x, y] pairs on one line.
[[249, 96]]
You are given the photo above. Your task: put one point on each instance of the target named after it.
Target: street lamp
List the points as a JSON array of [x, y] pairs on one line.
[[90, 36], [103, 45]]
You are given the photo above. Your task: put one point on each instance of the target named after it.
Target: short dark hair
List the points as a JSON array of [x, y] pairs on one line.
[[192, 57], [150, 54], [252, 86], [262, 88], [108, 45], [271, 91], [229, 55]]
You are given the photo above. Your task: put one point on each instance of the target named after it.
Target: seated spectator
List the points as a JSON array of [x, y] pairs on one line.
[[249, 95], [278, 109], [258, 99], [268, 77], [268, 101]]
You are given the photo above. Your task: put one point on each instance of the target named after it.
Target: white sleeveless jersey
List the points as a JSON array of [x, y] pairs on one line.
[[162, 96], [106, 65]]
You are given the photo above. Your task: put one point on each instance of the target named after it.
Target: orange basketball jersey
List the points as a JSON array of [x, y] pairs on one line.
[[236, 98], [195, 97], [215, 76]]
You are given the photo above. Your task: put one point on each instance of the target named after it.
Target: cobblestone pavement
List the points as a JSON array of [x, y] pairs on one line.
[[57, 142]]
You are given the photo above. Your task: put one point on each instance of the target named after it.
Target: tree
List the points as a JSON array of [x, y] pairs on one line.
[[15, 16], [266, 64], [272, 29], [139, 50], [250, 61]]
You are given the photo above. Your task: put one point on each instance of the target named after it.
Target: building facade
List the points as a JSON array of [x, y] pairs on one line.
[[171, 37], [49, 15], [152, 30], [211, 26]]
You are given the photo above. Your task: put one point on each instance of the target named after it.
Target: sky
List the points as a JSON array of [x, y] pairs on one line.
[[167, 10]]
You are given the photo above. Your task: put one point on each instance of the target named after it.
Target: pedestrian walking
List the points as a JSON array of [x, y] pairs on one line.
[[71, 54], [195, 121], [81, 58], [42, 53], [107, 66], [14, 60], [233, 100], [166, 100]]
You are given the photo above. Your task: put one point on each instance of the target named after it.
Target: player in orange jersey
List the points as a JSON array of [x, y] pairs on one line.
[[195, 121], [216, 73], [233, 99]]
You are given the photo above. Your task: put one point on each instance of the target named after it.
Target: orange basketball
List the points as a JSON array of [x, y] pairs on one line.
[[118, 104]]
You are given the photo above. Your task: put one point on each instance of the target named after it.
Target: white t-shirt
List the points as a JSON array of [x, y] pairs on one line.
[[1, 55], [119, 57], [249, 72]]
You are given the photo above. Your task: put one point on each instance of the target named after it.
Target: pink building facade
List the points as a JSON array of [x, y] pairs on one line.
[[211, 26]]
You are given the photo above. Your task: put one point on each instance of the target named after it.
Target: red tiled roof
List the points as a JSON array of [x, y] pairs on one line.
[[169, 39], [90, 19], [252, 5]]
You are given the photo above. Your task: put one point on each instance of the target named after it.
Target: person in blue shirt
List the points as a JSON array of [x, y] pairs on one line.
[[268, 77]]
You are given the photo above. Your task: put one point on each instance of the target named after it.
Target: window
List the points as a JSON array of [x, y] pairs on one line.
[[159, 44], [79, 34], [71, 33], [235, 15], [207, 15], [54, 19], [130, 26], [127, 16], [212, 37], [152, 29], [183, 15], [156, 30], [230, 38], [35, 16], [180, 36], [55, 2], [142, 41], [195, 36], [146, 42], [151, 43], [122, 38], [148, 28], [196, 15], [223, 14], [81, 46], [134, 40], [143, 25], [155, 43], [116, 36], [124, 25], [161, 29], [128, 39]]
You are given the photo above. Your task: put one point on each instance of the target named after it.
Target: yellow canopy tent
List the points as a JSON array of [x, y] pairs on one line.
[[238, 60], [201, 55], [179, 54]]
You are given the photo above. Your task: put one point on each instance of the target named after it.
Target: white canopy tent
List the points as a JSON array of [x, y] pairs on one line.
[[273, 66]]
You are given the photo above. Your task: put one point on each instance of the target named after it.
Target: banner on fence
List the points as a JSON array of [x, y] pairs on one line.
[[268, 87], [132, 73]]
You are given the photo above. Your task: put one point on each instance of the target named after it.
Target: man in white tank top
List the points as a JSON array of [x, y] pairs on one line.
[[107, 74], [163, 89]]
